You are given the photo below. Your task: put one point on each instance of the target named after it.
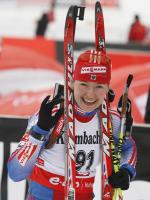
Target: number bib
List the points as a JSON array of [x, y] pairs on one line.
[[87, 146], [87, 150]]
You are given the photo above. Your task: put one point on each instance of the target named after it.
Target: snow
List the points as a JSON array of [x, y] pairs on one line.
[[138, 190], [43, 79]]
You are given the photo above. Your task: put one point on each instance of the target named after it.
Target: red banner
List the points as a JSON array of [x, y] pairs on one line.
[[28, 72], [138, 64]]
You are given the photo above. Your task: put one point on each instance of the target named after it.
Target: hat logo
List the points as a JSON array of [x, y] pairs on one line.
[[94, 69], [93, 77], [91, 69]]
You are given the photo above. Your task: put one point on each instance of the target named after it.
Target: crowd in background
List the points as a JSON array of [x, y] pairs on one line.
[[138, 32]]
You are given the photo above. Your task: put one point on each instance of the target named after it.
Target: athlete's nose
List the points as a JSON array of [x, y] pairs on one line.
[[90, 93]]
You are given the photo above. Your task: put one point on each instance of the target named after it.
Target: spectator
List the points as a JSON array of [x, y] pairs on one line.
[[138, 31], [44, 20]]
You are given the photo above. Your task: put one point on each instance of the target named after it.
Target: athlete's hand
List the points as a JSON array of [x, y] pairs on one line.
[[46, 118], [120, 179], [129, 119]]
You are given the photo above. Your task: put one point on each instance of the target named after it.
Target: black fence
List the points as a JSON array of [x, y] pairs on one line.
[[12, 129]]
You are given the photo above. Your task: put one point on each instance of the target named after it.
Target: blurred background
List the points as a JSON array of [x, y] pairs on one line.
[[31, 62]]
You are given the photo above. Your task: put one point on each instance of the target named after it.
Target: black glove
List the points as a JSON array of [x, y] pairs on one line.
[[120, 179], [129, 119], [46, 120]]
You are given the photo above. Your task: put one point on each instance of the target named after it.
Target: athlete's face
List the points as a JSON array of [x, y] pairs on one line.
[[89, 95]]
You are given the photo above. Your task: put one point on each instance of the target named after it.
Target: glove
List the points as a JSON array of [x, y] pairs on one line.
[[120, 179], [46, 120], [129, 119]]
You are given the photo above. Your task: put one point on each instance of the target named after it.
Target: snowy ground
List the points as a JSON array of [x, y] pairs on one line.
[[139, 190]]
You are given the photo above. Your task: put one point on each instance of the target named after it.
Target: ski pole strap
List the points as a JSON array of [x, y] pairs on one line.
[[55, 133]]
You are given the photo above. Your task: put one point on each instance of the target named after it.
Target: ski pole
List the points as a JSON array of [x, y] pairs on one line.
[[121, 134]]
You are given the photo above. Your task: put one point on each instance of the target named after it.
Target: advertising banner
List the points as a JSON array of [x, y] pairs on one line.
[[28, 73], [29, 70]]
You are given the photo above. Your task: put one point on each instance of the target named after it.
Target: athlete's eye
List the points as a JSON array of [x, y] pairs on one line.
[[99, 86], [83, 84]]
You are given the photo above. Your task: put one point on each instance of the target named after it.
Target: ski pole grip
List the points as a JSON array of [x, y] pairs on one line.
[[124, 104], [129, 80], [125, 95]]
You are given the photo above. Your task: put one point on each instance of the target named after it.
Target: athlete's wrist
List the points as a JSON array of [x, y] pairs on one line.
[[38, 133]]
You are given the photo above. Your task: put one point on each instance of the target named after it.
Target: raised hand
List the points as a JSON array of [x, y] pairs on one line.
[[46, 119]]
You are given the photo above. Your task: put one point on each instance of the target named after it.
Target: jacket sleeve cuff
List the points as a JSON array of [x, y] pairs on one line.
[[130, 169], [38, 130]]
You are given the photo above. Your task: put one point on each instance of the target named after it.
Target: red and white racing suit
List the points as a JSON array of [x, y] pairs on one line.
[[45, 168]]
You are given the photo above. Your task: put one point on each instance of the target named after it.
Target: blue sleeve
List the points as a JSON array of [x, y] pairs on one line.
[[129, 156], [23, 159], [128, 151]]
